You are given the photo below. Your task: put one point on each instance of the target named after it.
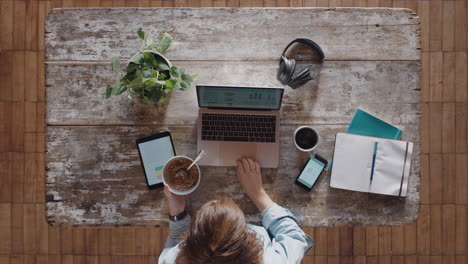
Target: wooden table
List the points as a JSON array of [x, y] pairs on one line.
[[94, 176]]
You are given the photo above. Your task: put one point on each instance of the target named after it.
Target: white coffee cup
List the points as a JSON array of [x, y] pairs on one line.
[[306, 138]]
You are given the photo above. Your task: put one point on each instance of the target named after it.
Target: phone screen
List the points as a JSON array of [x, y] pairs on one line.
[[311, 172], [154, 154]]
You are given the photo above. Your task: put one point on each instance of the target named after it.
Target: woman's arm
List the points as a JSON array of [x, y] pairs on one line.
[[289, 243], [176, 204]]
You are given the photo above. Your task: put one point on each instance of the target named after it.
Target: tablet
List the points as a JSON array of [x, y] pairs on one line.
[[154, 151]]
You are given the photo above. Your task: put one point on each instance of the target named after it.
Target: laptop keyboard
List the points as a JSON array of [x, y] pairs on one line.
[[237, 127]]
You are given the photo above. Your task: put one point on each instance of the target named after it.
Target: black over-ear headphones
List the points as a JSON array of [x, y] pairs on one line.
[[287, 66]]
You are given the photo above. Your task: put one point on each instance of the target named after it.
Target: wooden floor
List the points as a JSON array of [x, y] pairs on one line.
[[440, 234]]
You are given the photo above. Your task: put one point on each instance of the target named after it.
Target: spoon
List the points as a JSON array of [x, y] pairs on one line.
[[183, 172]]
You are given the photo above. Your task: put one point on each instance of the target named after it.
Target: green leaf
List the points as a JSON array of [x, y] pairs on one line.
[[163, 66], [147, 74], [175, 72], [141, 33], [138, 59], [150, 61], [136, 85], [115, 63], [186, 78], [163, 97], [131, 67], [184, 86], [177, 86], [165, 43], [108, 91], [170, 84], [121, 89]]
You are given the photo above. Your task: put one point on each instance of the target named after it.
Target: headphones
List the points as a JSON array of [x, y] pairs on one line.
[[287, 66]]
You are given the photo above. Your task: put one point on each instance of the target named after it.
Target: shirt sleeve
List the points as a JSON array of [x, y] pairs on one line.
[[289, 243], [176, 230]]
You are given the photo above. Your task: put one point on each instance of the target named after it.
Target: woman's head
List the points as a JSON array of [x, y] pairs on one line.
[[219, 234]]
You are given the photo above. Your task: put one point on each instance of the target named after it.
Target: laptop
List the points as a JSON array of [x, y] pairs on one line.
[[236, 122]]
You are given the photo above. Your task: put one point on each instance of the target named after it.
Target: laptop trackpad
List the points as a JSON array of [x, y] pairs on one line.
[[232, 151]]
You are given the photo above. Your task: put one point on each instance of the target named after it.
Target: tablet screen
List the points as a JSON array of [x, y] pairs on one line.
[[154, 154]]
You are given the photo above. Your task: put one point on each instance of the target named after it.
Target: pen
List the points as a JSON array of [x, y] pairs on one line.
[[376, 145]]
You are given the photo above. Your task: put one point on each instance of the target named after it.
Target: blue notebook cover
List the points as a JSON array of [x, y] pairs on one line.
[[366, 124]]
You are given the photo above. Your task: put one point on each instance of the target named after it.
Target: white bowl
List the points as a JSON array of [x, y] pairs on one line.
[[186, 191]]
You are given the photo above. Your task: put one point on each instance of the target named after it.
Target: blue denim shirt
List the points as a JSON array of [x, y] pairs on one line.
[[283, 240]]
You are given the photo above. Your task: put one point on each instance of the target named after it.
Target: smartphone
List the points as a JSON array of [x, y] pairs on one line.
[[155, 150], [311, 171]]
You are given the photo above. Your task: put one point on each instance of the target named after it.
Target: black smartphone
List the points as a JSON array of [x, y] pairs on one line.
[[311, 171], [154, 151]]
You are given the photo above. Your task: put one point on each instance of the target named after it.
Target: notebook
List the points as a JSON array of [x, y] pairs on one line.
[[371, 164], [366, 124]]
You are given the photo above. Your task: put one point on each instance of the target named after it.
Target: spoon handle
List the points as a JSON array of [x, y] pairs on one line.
[[200, 155]]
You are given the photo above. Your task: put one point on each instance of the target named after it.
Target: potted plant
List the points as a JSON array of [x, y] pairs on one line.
[[149, 76]]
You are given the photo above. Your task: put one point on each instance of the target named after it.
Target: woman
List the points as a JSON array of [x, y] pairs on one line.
[[219, 233]]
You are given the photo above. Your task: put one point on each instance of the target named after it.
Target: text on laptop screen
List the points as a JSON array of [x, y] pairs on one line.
[[240, 97]]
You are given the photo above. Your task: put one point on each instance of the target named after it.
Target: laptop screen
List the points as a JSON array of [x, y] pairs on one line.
[[239, 97]]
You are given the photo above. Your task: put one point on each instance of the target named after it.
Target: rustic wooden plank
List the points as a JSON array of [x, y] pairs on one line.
[[141, 241], [410, 239], [448, 77], [40, 180], [321, 241], [328, 27], [448, 229], [54, 243], [359, 241], [17, 238], [385, 240], [436, 229], [460, 25], [461, 228], [73, 90], [32, 16], [129, 242], [30, 87], [19, 25], [398, 240], [154, 242], [449, 171], [461, 86], [66, 238], [17, 177], [461, 178], [5, 177], [6, 25], [346, 240], [425, 179], [131, 202], [424, 16], [461, 127], [29, 228], [6, 76], [423, 230], [435, 37], [104, 241], [17, 127], [42, 230], [436, 76], [448, 25], [372, 240], [30, 175], [117, 241], [435, 129], [436, 178], [333, 241], [92, 241], [18, 76], [5, 228], [79, 239]]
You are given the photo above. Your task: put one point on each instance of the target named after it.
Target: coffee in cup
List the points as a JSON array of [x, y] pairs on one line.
[[306, 138]]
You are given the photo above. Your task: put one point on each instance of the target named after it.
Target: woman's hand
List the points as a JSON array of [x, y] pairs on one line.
[[176, 203], [250, 178]]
